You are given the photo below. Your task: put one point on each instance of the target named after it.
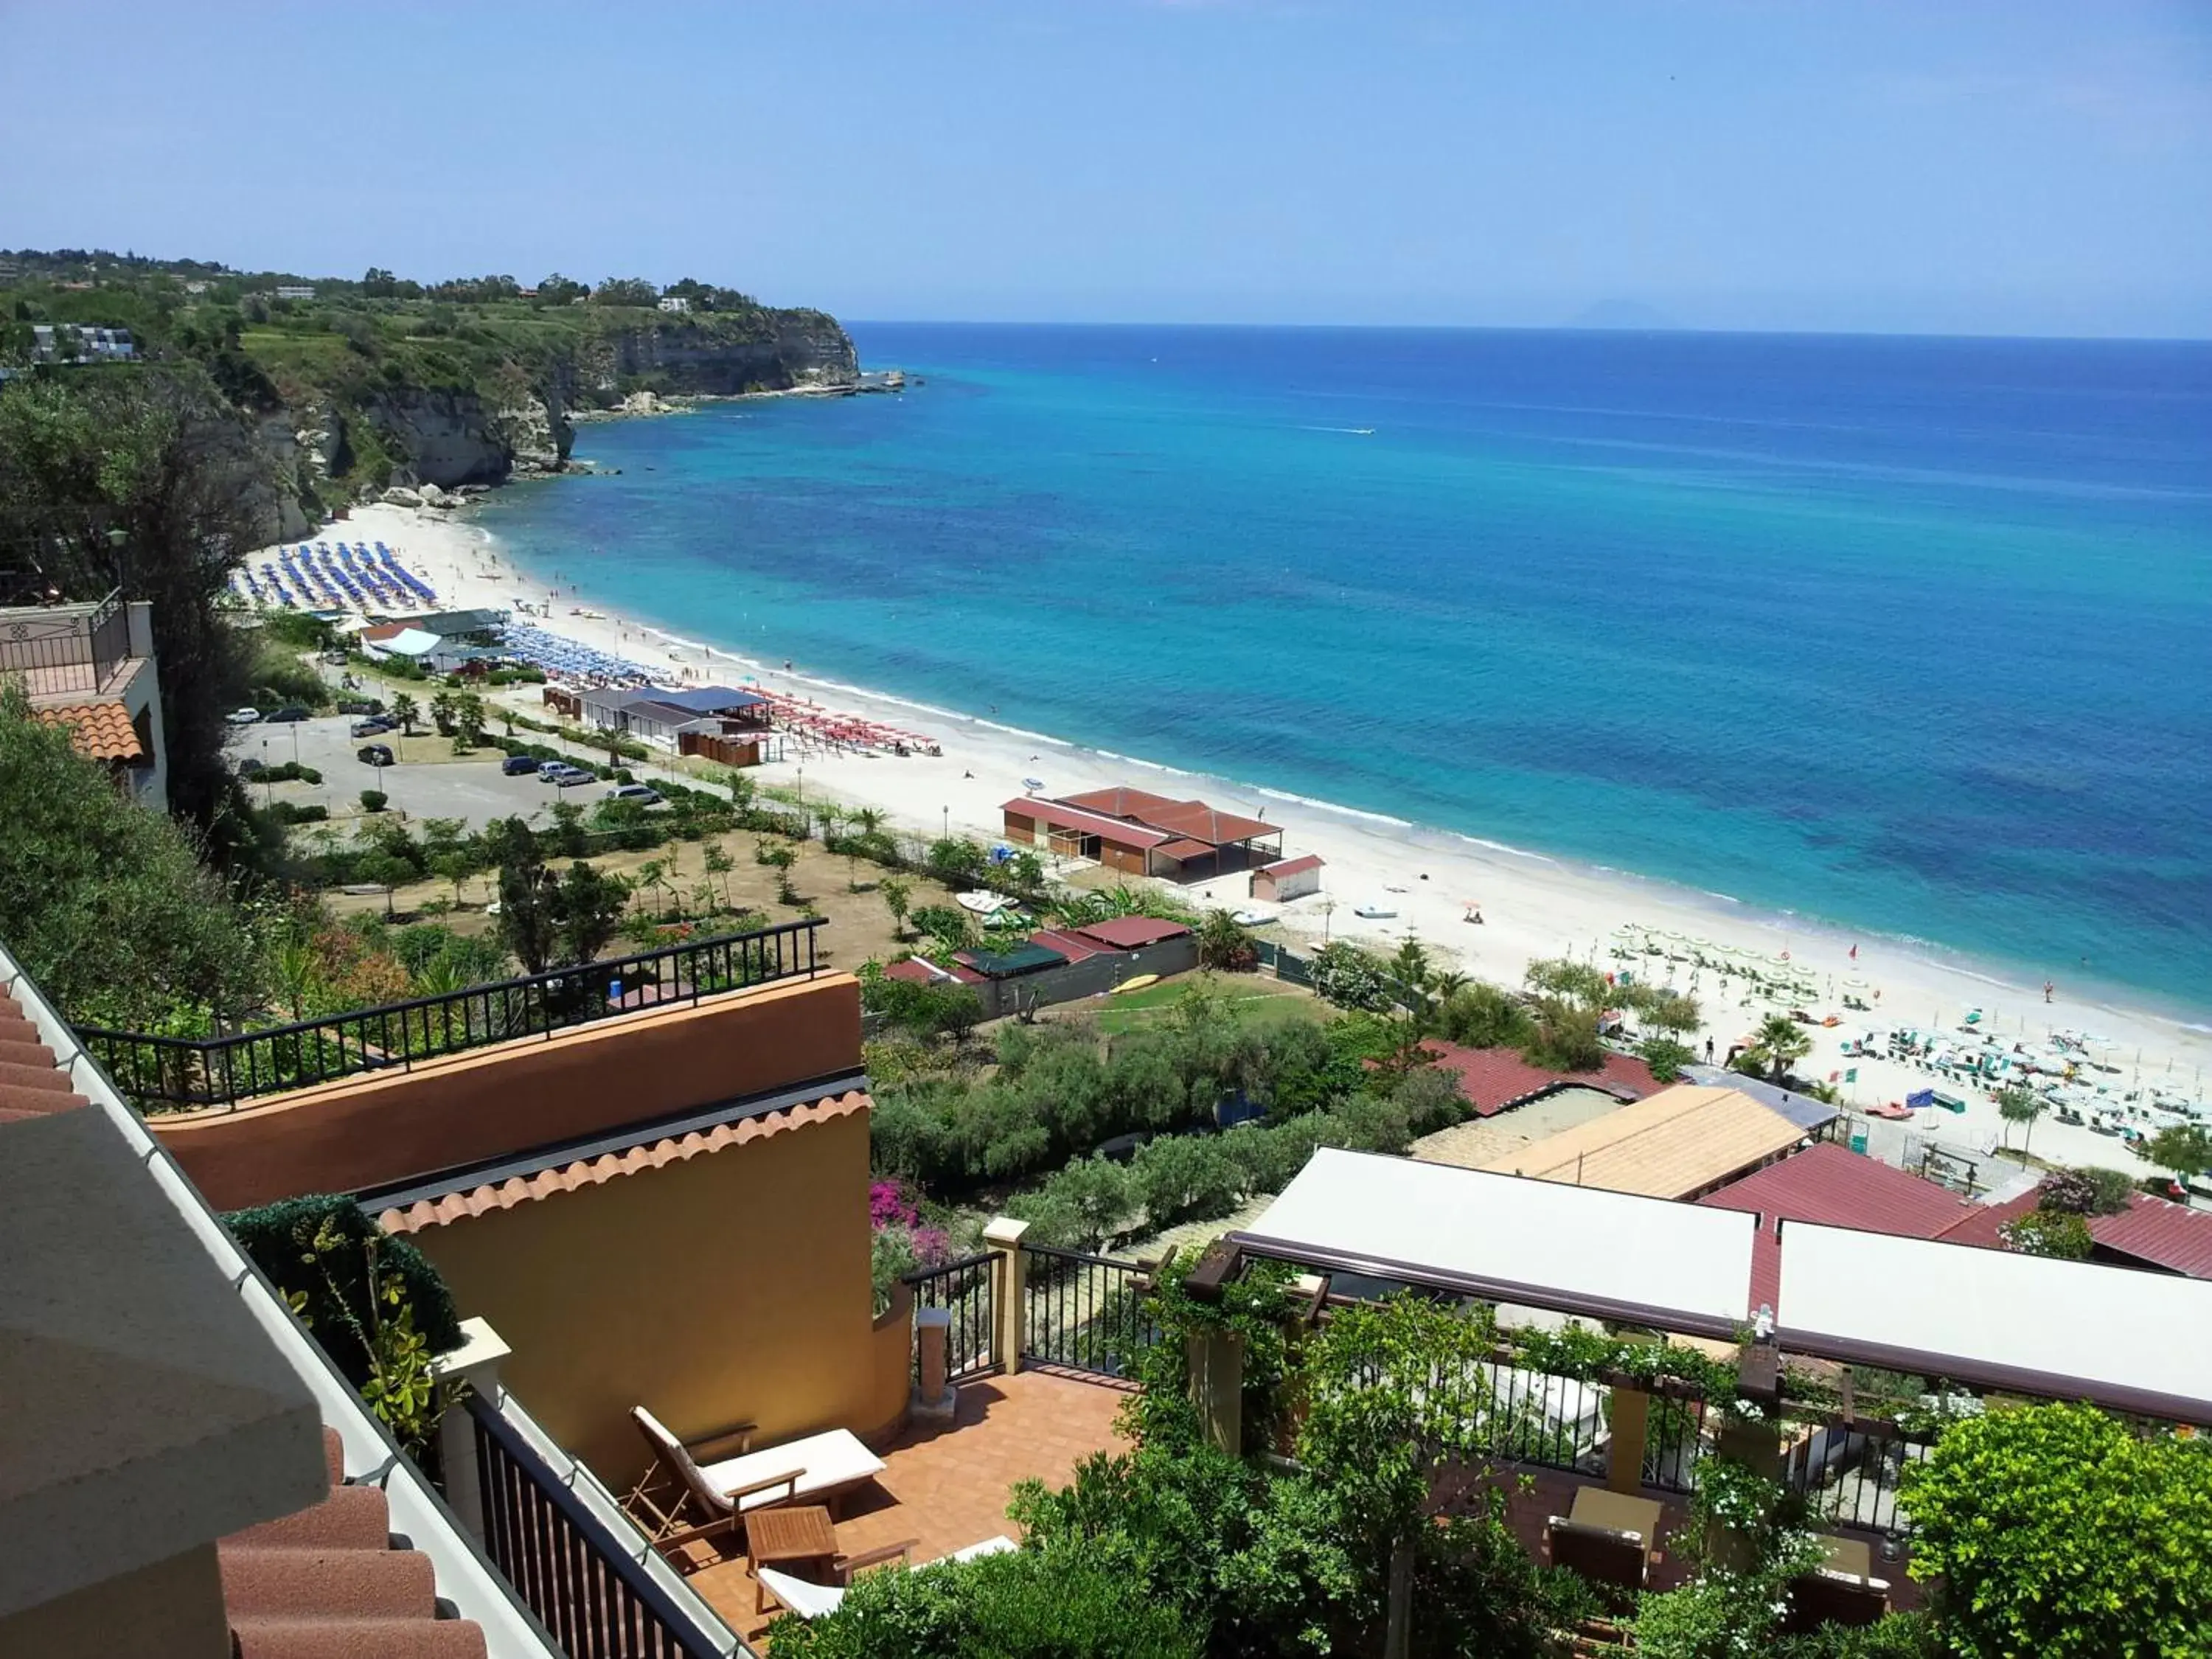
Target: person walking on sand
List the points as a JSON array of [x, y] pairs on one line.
[[1709, 1051], [2048, 988]]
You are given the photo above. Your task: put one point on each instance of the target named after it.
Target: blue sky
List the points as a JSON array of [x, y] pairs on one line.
[[2014, 167]]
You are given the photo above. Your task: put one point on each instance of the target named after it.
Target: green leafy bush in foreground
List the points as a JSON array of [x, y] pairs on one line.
[[2056, 1531], [1056, 1604]]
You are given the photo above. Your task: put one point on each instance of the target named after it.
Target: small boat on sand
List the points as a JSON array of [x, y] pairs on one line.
[[981, 904], [1375, 910]]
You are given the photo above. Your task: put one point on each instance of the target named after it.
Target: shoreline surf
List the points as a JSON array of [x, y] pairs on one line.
[[1393, 836]]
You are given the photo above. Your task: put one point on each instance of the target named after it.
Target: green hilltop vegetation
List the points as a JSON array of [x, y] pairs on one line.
[[371, 368]]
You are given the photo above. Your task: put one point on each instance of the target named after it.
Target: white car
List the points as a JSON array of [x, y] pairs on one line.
[[244, 716], [1375, 910]]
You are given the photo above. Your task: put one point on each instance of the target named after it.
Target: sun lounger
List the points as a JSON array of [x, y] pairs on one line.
[[812, 1601], [1825, 1596], [679, 1499]]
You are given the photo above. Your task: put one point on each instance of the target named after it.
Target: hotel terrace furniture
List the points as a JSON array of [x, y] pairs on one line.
[[1608, 1537], [676, 1500], [1826, 1595], [798, 1536], [812, 1601]]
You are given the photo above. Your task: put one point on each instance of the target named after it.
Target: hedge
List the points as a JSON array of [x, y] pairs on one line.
[[279, 1237]]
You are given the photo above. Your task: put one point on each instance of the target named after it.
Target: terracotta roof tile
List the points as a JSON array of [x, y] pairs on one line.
[[1835, 1188], [326, 1582], [98, 731], [31, 1085], [1131, 932], [1494, 1079], [2151, 1229], [591, 1172]]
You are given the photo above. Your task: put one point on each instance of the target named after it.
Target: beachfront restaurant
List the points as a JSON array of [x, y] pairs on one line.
[[658, 715], [1144, 834]]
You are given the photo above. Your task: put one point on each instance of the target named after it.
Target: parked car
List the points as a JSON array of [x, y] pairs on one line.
[[357, 706], [373, 754], [643, 794], [243, 716], [288, 713], [515, 766], [550, 770], [374, 726], [571, 777], [250, 765]]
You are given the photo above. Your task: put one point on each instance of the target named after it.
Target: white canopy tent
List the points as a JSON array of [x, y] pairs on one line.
[[1681, 1267], [2125, 1338]]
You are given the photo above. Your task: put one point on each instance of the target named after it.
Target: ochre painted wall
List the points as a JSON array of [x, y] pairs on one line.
[[375, 1131], [731, 1286]]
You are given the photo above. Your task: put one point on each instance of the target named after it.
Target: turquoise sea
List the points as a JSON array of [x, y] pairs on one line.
[[1909, 635]]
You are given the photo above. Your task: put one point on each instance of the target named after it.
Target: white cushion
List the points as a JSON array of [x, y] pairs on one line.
[[1001, 1544], [826, 1461], [807, 1600]]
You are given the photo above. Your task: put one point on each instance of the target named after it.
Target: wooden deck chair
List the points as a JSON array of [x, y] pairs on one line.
[[1610, 1560], [675, 1503]]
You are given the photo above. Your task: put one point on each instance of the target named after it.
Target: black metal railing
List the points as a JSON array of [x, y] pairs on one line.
[[164, 1073], [67, 650], [1497, 1409], [968, 1290], [1083, 1313], [1849, 1473], [1673, 1441], [570, 1568]]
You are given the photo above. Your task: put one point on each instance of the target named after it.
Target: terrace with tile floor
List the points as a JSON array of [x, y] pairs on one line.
[[944, 1484]]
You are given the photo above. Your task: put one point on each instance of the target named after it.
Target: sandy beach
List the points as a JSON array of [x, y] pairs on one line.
[[1531, 906]]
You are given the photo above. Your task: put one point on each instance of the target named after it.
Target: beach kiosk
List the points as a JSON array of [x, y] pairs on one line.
[[1287, 878]]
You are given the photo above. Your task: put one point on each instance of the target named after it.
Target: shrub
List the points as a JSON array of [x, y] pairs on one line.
[[2058, 1233], [1034, 1604], [374, 800], [1185, 1178], [1666, 1056], [1430, 1099], [2056, 1530], [2086, 1192], [292, 811], [281, 1237], [1350, 977]]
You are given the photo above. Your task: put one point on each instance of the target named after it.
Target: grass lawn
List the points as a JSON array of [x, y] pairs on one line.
[[1247, 998]]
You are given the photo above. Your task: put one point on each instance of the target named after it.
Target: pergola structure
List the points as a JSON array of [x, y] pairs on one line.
[[2129, 1341]]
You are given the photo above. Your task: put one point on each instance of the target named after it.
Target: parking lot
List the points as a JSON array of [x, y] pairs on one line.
[[428, 781]]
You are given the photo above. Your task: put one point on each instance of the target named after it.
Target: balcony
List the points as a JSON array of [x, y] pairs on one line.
[[68, 651]]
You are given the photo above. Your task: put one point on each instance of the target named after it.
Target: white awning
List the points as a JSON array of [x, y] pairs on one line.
[[2123, 1338], [1609, 1255]]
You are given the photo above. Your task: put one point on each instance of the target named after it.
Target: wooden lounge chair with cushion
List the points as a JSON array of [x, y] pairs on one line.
[[1600, 1554], [1825, 1596], [810, 1601], [678, 1500]]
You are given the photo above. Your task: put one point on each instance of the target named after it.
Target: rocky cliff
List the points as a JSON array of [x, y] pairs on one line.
[[514, 419]]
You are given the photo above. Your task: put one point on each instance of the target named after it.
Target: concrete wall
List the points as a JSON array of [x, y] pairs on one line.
[[172, 1609], [377, 1130], [731, 1286]]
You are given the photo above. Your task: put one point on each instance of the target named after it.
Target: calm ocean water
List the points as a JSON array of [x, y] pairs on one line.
[[1911, 635]]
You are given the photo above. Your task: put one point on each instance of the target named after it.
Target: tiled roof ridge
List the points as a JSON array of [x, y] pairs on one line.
[[592, 1171], [328, 1581], [100, 727]]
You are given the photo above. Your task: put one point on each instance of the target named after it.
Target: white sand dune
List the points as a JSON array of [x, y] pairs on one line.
[[1532, 906]]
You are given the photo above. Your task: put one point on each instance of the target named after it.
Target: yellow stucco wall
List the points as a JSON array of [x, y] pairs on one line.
[[729, 1287]]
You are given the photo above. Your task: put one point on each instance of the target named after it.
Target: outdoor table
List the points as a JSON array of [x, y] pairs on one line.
[[1597, 1506], [792, 1538]]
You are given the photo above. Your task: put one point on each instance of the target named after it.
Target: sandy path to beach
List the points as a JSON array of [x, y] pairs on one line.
[[1532, 906]]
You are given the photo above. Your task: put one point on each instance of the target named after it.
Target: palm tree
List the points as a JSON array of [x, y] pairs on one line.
[[867, 819], [653, 875], [406, 712], [1778, 1043], [2019, 1105]]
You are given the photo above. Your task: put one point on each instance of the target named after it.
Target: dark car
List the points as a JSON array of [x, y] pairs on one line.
[[373, 727], [290, 711], [373, 754], [517, 766], [249, 766]]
